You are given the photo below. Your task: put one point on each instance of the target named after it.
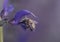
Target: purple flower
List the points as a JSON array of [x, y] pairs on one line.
[[6, 9], [21, 14]]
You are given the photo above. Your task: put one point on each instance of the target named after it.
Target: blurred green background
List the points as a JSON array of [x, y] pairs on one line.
[[1, 34]]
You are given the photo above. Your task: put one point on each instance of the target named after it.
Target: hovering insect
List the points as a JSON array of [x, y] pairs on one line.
[[26, 22]]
